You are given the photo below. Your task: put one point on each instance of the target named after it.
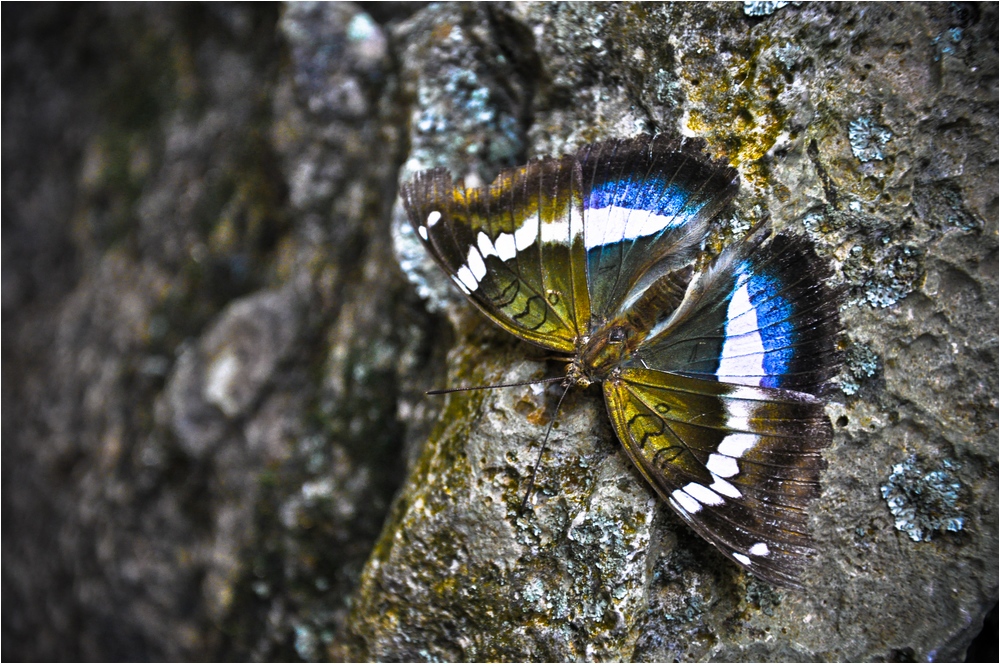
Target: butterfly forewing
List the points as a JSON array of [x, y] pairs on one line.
[[515, 248], [648, 202], [737, 463]]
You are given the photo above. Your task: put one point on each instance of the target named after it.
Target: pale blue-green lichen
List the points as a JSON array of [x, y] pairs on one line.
[[884, 273], [923, 501], [860, 364], [942, 206], [362, 28], [762, 596], [305, 643], [763, 7], [895, 281], [868, 139], [945, 42], [458, 107]]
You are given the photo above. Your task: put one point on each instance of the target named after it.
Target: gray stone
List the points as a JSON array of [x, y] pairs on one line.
[[598, 568], [216, 442]]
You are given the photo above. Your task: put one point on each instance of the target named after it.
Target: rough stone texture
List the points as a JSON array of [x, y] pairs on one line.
[[599, 569], [214, 365], [205, 325]]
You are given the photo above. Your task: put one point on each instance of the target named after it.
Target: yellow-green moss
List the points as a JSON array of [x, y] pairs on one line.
[[736, 106]]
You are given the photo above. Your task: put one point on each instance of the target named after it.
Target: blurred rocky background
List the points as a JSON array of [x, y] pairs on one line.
[[219, 330]]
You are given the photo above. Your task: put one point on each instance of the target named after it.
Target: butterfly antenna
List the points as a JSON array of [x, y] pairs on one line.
[[538, 461], [493, 387]]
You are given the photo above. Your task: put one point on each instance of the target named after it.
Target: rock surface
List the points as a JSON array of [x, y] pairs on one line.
[[215, 439]]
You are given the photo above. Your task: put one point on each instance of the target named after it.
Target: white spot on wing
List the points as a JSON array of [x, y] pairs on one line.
[[759, 549], [476, 264], [433, 218], [725, 488], [740, 557], [555, 231], [738, 414], [703, 494], [736, 444], [486, 247], [506, 248], [723, 466], [612, 224], [636, 222], [738, 348], [685, 502], [575, 222], [736, 314], [742, 357], [600, 227], [468, 279], [526, 235], [422, 231], [744, 393]]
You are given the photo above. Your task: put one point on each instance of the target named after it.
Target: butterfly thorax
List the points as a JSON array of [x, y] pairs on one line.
[[614, 341], [603, 352]]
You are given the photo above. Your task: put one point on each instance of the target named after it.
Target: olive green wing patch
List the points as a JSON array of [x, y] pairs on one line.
[[515, 248], [739, 464]]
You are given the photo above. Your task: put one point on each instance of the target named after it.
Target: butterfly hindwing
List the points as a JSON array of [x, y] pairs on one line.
[[760, 316], [515, 248], [648, 202], [739, 464]]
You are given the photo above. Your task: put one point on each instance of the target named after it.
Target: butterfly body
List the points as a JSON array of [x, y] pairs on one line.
[[709, 375], [613, 343]]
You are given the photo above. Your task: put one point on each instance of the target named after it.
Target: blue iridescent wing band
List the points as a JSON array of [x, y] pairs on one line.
[[761, 315], [647, 205]]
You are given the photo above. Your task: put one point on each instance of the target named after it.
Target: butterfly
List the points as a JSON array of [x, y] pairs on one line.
[[710, 374]]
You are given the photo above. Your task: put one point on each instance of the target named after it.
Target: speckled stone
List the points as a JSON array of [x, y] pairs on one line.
[[216, 342], [599, 569]]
